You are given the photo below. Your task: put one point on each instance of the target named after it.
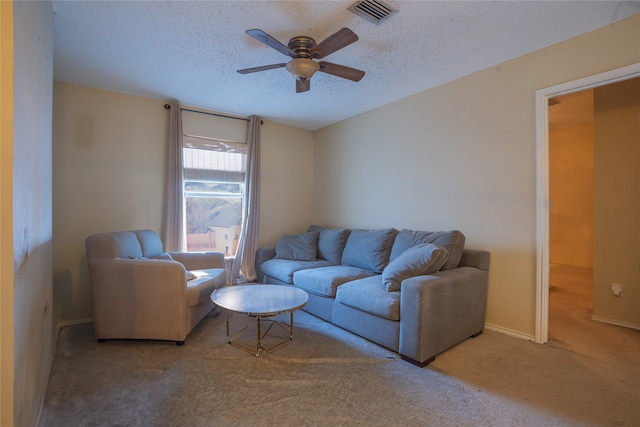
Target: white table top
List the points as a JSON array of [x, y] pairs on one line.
[[259, 299]]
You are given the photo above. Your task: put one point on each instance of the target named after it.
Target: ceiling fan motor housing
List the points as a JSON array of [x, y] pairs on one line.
[[301, 46], [302, 67]]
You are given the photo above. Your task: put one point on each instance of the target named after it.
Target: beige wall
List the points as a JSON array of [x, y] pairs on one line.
[[286, 182], [27, 306], [617, 202], [109, 174], [462, 155], [571, 192]]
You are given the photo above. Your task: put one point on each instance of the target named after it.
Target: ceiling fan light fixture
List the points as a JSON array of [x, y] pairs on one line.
[[304, 51], [302, 68]]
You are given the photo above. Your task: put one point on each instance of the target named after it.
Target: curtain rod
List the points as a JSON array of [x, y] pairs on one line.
[[167, 107]]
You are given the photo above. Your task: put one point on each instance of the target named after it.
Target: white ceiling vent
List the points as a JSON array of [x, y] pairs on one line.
[[375, 11]]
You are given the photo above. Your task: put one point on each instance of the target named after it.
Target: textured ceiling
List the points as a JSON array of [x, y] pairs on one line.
[[190, 51], [574, 109]]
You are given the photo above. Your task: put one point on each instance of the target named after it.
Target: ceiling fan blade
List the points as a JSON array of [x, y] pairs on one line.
[[341, 71], [265, 38], [263, 68], [303, 86], [336, 41]]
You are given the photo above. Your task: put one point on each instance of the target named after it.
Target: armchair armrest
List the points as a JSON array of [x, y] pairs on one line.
[[135, 298], [262, 255], [441, 310], [199, 260]]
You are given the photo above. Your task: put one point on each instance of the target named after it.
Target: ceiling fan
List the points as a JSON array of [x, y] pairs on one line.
[[304, 50]]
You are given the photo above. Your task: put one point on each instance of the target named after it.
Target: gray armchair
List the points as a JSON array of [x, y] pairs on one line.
[[141, 292]]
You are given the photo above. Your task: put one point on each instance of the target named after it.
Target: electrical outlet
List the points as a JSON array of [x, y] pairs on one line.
[[616, 289]]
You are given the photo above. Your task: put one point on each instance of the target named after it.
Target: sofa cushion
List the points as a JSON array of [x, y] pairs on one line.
[[283, 269], [206, 281], [163, 256], [331, 242], [325, 280], [369, 295], [425, 258], [300, 247], [369, 249], [118, 244], [149, 242], [452, 241]]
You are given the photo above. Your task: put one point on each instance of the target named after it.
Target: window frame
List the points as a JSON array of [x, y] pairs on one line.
[[206, 171]]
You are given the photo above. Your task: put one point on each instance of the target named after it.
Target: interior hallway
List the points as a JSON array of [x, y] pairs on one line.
[[570, 324]]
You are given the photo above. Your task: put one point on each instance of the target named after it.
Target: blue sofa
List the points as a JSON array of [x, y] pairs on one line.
[[417, 293]]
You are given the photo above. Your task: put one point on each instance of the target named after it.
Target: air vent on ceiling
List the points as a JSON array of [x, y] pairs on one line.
[[375, 11], [553, 101]]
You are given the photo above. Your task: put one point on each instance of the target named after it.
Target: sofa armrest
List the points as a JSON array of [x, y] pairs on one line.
[[441, 310], [262, 255], [475, 258], [199, 260], [148, 296]]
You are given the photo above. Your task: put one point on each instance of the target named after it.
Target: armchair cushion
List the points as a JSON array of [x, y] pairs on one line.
[[205, 281], [164, 256], [150, 242], [119, 244], [199, 260]]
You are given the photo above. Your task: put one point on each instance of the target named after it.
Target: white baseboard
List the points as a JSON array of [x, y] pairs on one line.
[[75, 322], [64, 324], [510, 332], [616, 322]]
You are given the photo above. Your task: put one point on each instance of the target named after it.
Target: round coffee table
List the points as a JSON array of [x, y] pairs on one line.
[[260, 301]]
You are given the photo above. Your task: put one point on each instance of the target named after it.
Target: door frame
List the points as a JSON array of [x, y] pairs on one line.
[[542, 181]]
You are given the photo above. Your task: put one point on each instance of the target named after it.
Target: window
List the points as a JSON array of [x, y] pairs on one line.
[[213, 193]]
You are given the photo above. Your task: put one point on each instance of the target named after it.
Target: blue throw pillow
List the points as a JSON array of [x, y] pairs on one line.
[[426, 258], [301, 247], [453, 241]]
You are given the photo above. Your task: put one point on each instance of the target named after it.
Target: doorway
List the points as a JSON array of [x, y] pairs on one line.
[[571, 220], [543, 202]]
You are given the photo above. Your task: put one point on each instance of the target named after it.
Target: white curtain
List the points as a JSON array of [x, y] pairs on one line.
[[174, 210], [243, 269]]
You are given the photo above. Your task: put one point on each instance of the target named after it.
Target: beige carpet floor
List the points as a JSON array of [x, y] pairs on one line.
[[570, 324], [329, 377]]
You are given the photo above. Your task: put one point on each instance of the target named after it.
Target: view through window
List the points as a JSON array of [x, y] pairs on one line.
[[213, 193]]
